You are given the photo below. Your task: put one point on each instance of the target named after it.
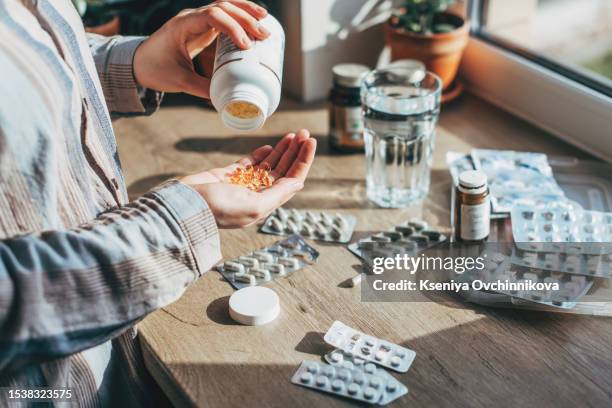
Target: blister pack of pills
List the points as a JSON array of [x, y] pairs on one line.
[[369, 348], [345, 382], [573, 231], [264, 265], [321, 226], [577, 264], [409, 238], [518, 178], [538, 284], [392, 389]]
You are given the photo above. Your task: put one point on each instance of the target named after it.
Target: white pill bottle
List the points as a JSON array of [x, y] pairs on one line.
[[246, 84]]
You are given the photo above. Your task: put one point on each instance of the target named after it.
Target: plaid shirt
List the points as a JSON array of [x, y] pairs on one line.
[[80, 265]]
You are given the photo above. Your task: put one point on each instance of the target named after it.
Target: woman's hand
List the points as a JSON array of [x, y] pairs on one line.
[[164, 61], [235, 206]]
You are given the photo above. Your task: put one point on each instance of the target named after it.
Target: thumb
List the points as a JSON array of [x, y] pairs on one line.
[[281, 192], [195, 84]]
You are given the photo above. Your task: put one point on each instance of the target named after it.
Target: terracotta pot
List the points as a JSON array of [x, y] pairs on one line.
[[110, 28], [441, 53]]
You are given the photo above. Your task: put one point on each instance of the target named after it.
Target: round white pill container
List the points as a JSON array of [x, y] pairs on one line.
[[246, 84], [254, 306]]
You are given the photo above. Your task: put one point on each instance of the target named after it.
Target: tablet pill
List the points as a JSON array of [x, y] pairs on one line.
[[322, 381], [306, 378], [391, 387], [328, 371], [375, 382], [366, 244], [405, 230], [369, 393], [432, 235], [358, 377], [337, 357], [353, 389], [337, 385], [344, 375], [312, 368], [369, 368], [380, 238], [417, 224], [395, 361]]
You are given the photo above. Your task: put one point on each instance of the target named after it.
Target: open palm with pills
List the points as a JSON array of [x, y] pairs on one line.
[[235, 205]]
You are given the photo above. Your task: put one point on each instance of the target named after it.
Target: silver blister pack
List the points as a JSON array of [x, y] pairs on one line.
[[518, 178], [573, 231], [409, 238], [350, 383], [369, 348], [577, 264], [267, 264], [317, 225], [392, 389], [571, 287]]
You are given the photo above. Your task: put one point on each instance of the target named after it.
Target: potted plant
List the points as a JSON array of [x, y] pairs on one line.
[[426, 31]]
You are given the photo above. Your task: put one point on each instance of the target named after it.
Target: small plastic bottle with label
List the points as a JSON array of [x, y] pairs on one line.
[[472, 208], [345, 119], [246, 84]]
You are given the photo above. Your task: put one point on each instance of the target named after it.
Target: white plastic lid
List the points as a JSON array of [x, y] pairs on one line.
[[473, 182], [417, 67], [350, 75], [254, 306]]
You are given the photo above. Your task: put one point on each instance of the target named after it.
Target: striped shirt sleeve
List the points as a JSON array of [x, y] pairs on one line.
[[114, 57], [68, 290]]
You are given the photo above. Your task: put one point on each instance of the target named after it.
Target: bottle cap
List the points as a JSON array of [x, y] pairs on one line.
[[254, 306], [350, 75], [473, 182]]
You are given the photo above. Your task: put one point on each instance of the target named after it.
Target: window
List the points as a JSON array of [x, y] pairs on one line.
[[571, 36], [549, 62]]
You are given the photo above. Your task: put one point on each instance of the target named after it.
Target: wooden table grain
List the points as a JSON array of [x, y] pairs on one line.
[[466, 355]]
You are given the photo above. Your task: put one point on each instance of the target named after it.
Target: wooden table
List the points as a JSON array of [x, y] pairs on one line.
[[466, 355]]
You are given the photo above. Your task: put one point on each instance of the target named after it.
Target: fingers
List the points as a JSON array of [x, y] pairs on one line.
[[256, 156], [290, 154], [246, 20], [253, 9], [301, 166], [214, 16], [280, 148]]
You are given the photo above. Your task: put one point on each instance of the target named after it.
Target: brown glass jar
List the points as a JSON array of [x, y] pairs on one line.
[[472, 208], [345, 118]]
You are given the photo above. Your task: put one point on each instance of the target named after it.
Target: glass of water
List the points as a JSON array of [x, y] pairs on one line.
[[400, 108]]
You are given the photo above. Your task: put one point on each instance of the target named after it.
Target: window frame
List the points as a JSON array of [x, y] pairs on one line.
[[563, 101]]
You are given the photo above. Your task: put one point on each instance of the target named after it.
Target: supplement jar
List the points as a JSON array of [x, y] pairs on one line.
[[246, 84], [345, 120], [472, 207]]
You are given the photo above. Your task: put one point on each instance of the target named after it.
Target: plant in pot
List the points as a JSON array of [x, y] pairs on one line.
[[426, 31]]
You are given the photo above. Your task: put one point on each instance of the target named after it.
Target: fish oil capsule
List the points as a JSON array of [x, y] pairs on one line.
[[275, 224], [277, 269], [245, 278], [233, 267], [248, 261], [261, 273]]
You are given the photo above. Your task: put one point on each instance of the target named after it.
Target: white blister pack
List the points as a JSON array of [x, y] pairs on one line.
[[577, 264], [320, 226], [264, 265], [369, 348], [518, 178], [392, 389], [573, 230], [346, 382], [408, 238], [571, 288]]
